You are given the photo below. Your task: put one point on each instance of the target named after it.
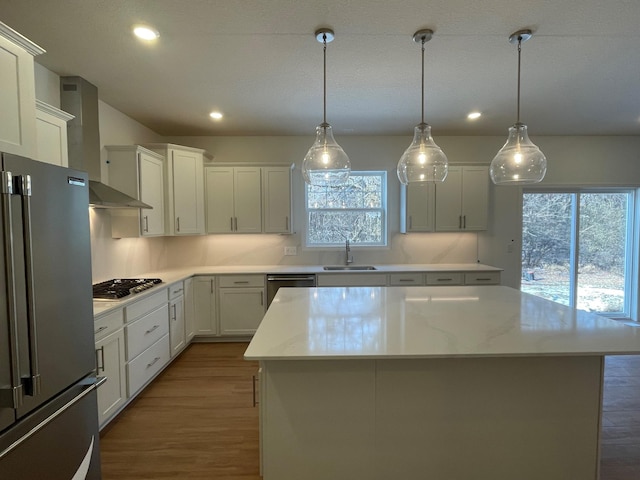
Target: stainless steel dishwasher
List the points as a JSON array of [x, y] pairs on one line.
[[277, 280]]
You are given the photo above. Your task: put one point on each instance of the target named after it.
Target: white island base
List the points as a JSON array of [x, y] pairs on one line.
[[431, 383], [443, 419]]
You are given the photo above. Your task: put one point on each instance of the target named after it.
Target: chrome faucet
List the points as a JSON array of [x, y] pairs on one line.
[[348, 257]]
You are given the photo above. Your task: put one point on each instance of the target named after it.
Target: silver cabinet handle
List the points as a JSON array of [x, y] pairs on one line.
[[262, 298], [236, 223], [177, 224], [286, 223], [152, 329], [407, 280], [231, 223], [410, 222], [445, 279], [101, 329], [464, 221], [153, 362], [175, 314], [241, 282], [483, 279], [32, 385], [146, 223], [211, 285], [460, 221], [254, 390]]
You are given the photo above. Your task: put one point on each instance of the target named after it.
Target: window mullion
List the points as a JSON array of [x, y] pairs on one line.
[[575, 249]]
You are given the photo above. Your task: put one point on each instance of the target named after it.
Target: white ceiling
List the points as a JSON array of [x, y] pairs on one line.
[[259, 63]]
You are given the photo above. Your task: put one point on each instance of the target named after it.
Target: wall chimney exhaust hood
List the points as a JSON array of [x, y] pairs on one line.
[[80, 98]]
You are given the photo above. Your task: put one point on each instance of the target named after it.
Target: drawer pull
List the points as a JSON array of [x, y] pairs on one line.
[[483, 279], [254, 390], [152, 329], [406, 280], [153, 362], [241, 282], [101, 329], [445, 279], [175, 292]]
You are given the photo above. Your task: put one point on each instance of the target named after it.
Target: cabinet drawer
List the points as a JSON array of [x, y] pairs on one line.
[[144, 367], [403, 279], [147, 330], [352, 280], [107, 324], [241, 281], [445, 278], [149, 303], [176, 290], [482, 278]]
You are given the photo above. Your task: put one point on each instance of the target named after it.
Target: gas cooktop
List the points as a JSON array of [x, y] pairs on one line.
[[118, 288]]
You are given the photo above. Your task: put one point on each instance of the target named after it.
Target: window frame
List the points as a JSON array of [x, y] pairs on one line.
[[632, 250], [383, 210]]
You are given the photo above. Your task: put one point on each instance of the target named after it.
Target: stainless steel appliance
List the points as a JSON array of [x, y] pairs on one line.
[[276, 281], [118, 288], [48, 409]]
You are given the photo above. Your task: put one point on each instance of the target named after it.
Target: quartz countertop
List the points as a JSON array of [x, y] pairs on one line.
[[430, 322], [170, 276]]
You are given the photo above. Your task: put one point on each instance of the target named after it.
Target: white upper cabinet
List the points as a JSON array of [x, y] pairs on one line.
[[184, 188], [234, 199], [139, 173], [462, 200], [17, 93], [276, 199], [417, 207], [51, 134]]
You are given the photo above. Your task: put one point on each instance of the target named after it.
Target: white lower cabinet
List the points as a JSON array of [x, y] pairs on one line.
[[189, 313], [352, 279], [445, 278], [177, 332], [147, 336], [204, 305], [242, 303], [110, 363]]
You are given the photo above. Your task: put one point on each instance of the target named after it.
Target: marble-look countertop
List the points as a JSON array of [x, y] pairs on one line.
[[430, 322], [175, 275]]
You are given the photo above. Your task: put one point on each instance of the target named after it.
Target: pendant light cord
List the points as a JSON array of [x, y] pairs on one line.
[[324, 100], [519, 55], [423, 42]]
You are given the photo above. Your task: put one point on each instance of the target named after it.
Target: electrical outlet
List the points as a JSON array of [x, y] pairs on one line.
[[290, 250]]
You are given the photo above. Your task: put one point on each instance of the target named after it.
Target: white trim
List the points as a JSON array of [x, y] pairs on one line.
[[10, 34]]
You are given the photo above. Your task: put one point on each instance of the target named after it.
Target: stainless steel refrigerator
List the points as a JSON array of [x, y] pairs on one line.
[[48, 411]]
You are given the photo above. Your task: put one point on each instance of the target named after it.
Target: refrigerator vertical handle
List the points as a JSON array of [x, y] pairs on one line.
[[10, 397], [32, 383]]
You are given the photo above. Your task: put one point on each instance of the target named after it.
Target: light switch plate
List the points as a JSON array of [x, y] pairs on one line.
[[290, 250]]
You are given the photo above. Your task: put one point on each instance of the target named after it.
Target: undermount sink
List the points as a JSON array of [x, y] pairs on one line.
[[349, 267]]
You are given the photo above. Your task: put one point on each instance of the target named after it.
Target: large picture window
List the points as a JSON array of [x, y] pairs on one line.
[[577, 248], [354, 212]]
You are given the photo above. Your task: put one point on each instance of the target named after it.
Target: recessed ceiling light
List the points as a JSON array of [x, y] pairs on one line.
[[216, 115], [474, 115], [144, 32]]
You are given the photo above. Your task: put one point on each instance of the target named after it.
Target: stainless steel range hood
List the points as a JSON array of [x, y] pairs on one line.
[[80, 98]]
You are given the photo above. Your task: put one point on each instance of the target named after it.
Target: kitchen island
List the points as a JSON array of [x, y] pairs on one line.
[[431, 382]]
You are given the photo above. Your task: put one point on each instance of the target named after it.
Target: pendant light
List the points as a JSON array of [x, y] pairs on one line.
[[423, 161], [519, 161], [325, 164]]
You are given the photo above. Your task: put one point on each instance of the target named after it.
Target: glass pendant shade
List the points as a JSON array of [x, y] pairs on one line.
[[326, 164], [423, 160], [519, 161]]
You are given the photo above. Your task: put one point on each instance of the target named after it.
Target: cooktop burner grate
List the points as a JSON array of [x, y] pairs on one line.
[[118, 288]]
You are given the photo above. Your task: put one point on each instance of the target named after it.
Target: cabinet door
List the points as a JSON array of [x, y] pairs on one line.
[[247, 200], [51, 133], [111, 364], [176, 326], [241, 310], [420, 207], [187, 189], [204, 306], [475, 198], [219, 188], [189, 314], [17, 100], [449, 202], [276, 199], [151, 193]]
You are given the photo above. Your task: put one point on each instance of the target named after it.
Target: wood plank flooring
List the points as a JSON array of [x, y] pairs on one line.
[[196, 421]]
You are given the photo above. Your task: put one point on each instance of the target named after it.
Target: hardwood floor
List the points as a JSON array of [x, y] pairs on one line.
[[196, 421]]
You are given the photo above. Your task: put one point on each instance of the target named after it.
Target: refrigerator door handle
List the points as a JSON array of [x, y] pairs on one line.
[[32, 383], [10, 397]]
